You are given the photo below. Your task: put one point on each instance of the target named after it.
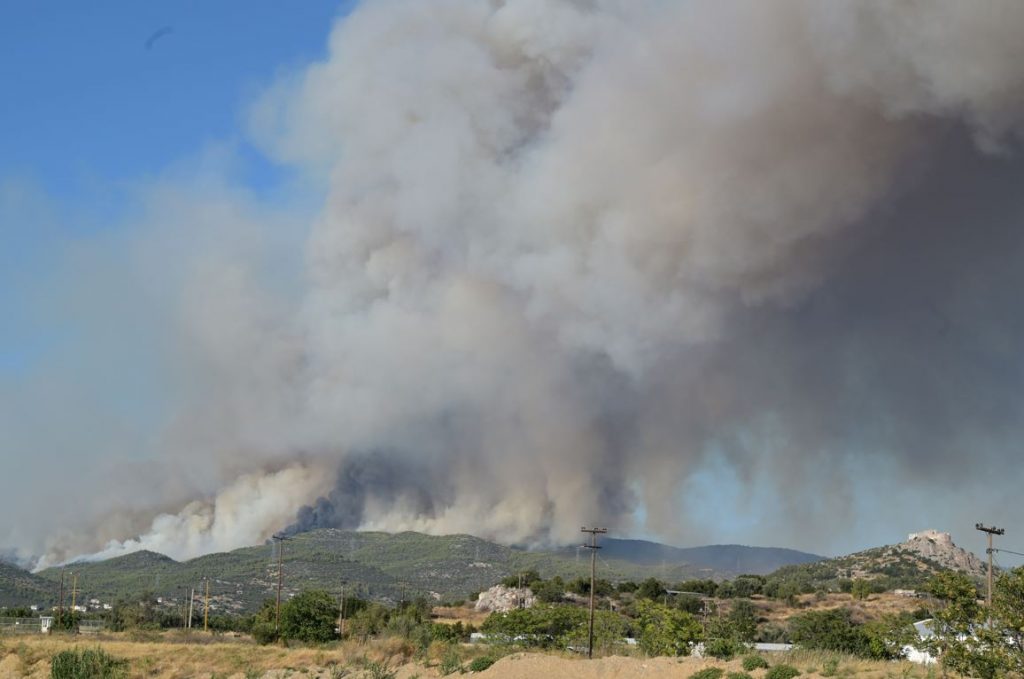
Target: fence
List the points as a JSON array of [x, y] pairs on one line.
[[21, 626]]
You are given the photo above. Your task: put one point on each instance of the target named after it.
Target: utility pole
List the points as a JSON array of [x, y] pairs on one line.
[[991, 530], [593, 547], [60, 600], [341, 619], [206, 607], [191, 601], [74, 595], [280, 538]]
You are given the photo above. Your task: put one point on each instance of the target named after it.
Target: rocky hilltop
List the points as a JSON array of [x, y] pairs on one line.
[[939, 547]]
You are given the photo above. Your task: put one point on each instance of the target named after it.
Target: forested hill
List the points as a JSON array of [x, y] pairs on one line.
[[384, 566]]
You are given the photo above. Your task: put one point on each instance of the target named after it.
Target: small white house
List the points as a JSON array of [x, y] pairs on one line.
[[912, 653]]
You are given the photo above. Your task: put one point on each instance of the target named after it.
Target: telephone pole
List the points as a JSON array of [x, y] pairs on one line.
[[60, 600], [74, 595], [280, 539], [206, 607], [991, 530], [593, 547], [341, 618]]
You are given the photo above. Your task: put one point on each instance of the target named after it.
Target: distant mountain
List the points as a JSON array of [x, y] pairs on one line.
[[389, 566], [719, 560], [907, 564]]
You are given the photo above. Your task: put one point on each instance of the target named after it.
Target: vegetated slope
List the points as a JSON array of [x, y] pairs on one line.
[[391, 566], [18, 587], [907, 565], [721, 560], [368, 564]]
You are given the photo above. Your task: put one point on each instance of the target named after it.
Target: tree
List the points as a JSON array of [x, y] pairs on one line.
[[742, 621], [860, 589], [665, 631], [959, 641], [310, 616], [830, 630], [651, 588]]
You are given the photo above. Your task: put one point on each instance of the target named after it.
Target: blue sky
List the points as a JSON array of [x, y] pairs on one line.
[[90, 112]]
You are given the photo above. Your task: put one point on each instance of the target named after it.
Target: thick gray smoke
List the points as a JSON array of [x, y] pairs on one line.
[[574, 251]]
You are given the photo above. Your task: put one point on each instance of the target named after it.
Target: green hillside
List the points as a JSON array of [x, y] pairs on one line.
[[18, 587], [378, 565]]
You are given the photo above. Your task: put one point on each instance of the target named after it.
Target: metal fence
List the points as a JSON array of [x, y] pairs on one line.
[[21, 626]]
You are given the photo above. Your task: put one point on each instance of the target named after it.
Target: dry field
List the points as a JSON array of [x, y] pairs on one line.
[[171, 657]]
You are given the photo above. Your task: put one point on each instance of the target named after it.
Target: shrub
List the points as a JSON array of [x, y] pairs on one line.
[[738, 675], [708, 673], [451, 662], [723, 649], [753, 662], [830, 667], [482, 663], [87, 664], [264, 633], [782, 672], [310, 617]]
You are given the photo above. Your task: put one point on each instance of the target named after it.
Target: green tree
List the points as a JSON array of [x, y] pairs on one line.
[[651, 588], [310, 616], [959, 642], [829, 630], [860, 589], [665, 631]]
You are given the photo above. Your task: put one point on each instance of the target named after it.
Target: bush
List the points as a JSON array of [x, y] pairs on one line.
[[482, 663], [830, 667], [723, 649], [451, 662], [738, 675], [87, 664], [782, 672], [264, 633], [310, 616], [708, 673], [753, 662]]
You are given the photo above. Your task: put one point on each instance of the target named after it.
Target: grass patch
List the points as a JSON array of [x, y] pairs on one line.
[[91, 663]]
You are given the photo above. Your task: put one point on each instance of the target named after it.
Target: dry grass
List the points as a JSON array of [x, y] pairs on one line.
[[468, 615], [171, 656], [875, 605]]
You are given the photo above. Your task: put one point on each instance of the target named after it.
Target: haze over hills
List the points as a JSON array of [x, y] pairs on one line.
[[720, 559], [383, 565]]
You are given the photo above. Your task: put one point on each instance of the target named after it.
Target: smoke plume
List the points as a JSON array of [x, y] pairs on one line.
[[573, 252]]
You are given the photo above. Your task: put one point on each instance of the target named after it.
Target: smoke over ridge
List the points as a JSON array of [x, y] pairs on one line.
[[573, 251]]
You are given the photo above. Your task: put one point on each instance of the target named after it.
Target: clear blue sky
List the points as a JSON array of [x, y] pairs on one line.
[[89, 110], [86, 101]]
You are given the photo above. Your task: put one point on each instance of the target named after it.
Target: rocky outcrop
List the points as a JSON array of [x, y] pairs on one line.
[[502, 599], [939, 547]]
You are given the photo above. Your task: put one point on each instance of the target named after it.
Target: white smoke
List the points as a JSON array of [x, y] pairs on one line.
[[565, 249]]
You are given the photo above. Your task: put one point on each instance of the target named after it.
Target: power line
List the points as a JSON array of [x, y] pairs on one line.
[[1008, 551]]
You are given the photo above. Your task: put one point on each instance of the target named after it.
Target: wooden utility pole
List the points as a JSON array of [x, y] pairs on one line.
[[206, 607], [74, 594], [593, 547], [991, 530], [60, 599], [341, 614], [280, 538]]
